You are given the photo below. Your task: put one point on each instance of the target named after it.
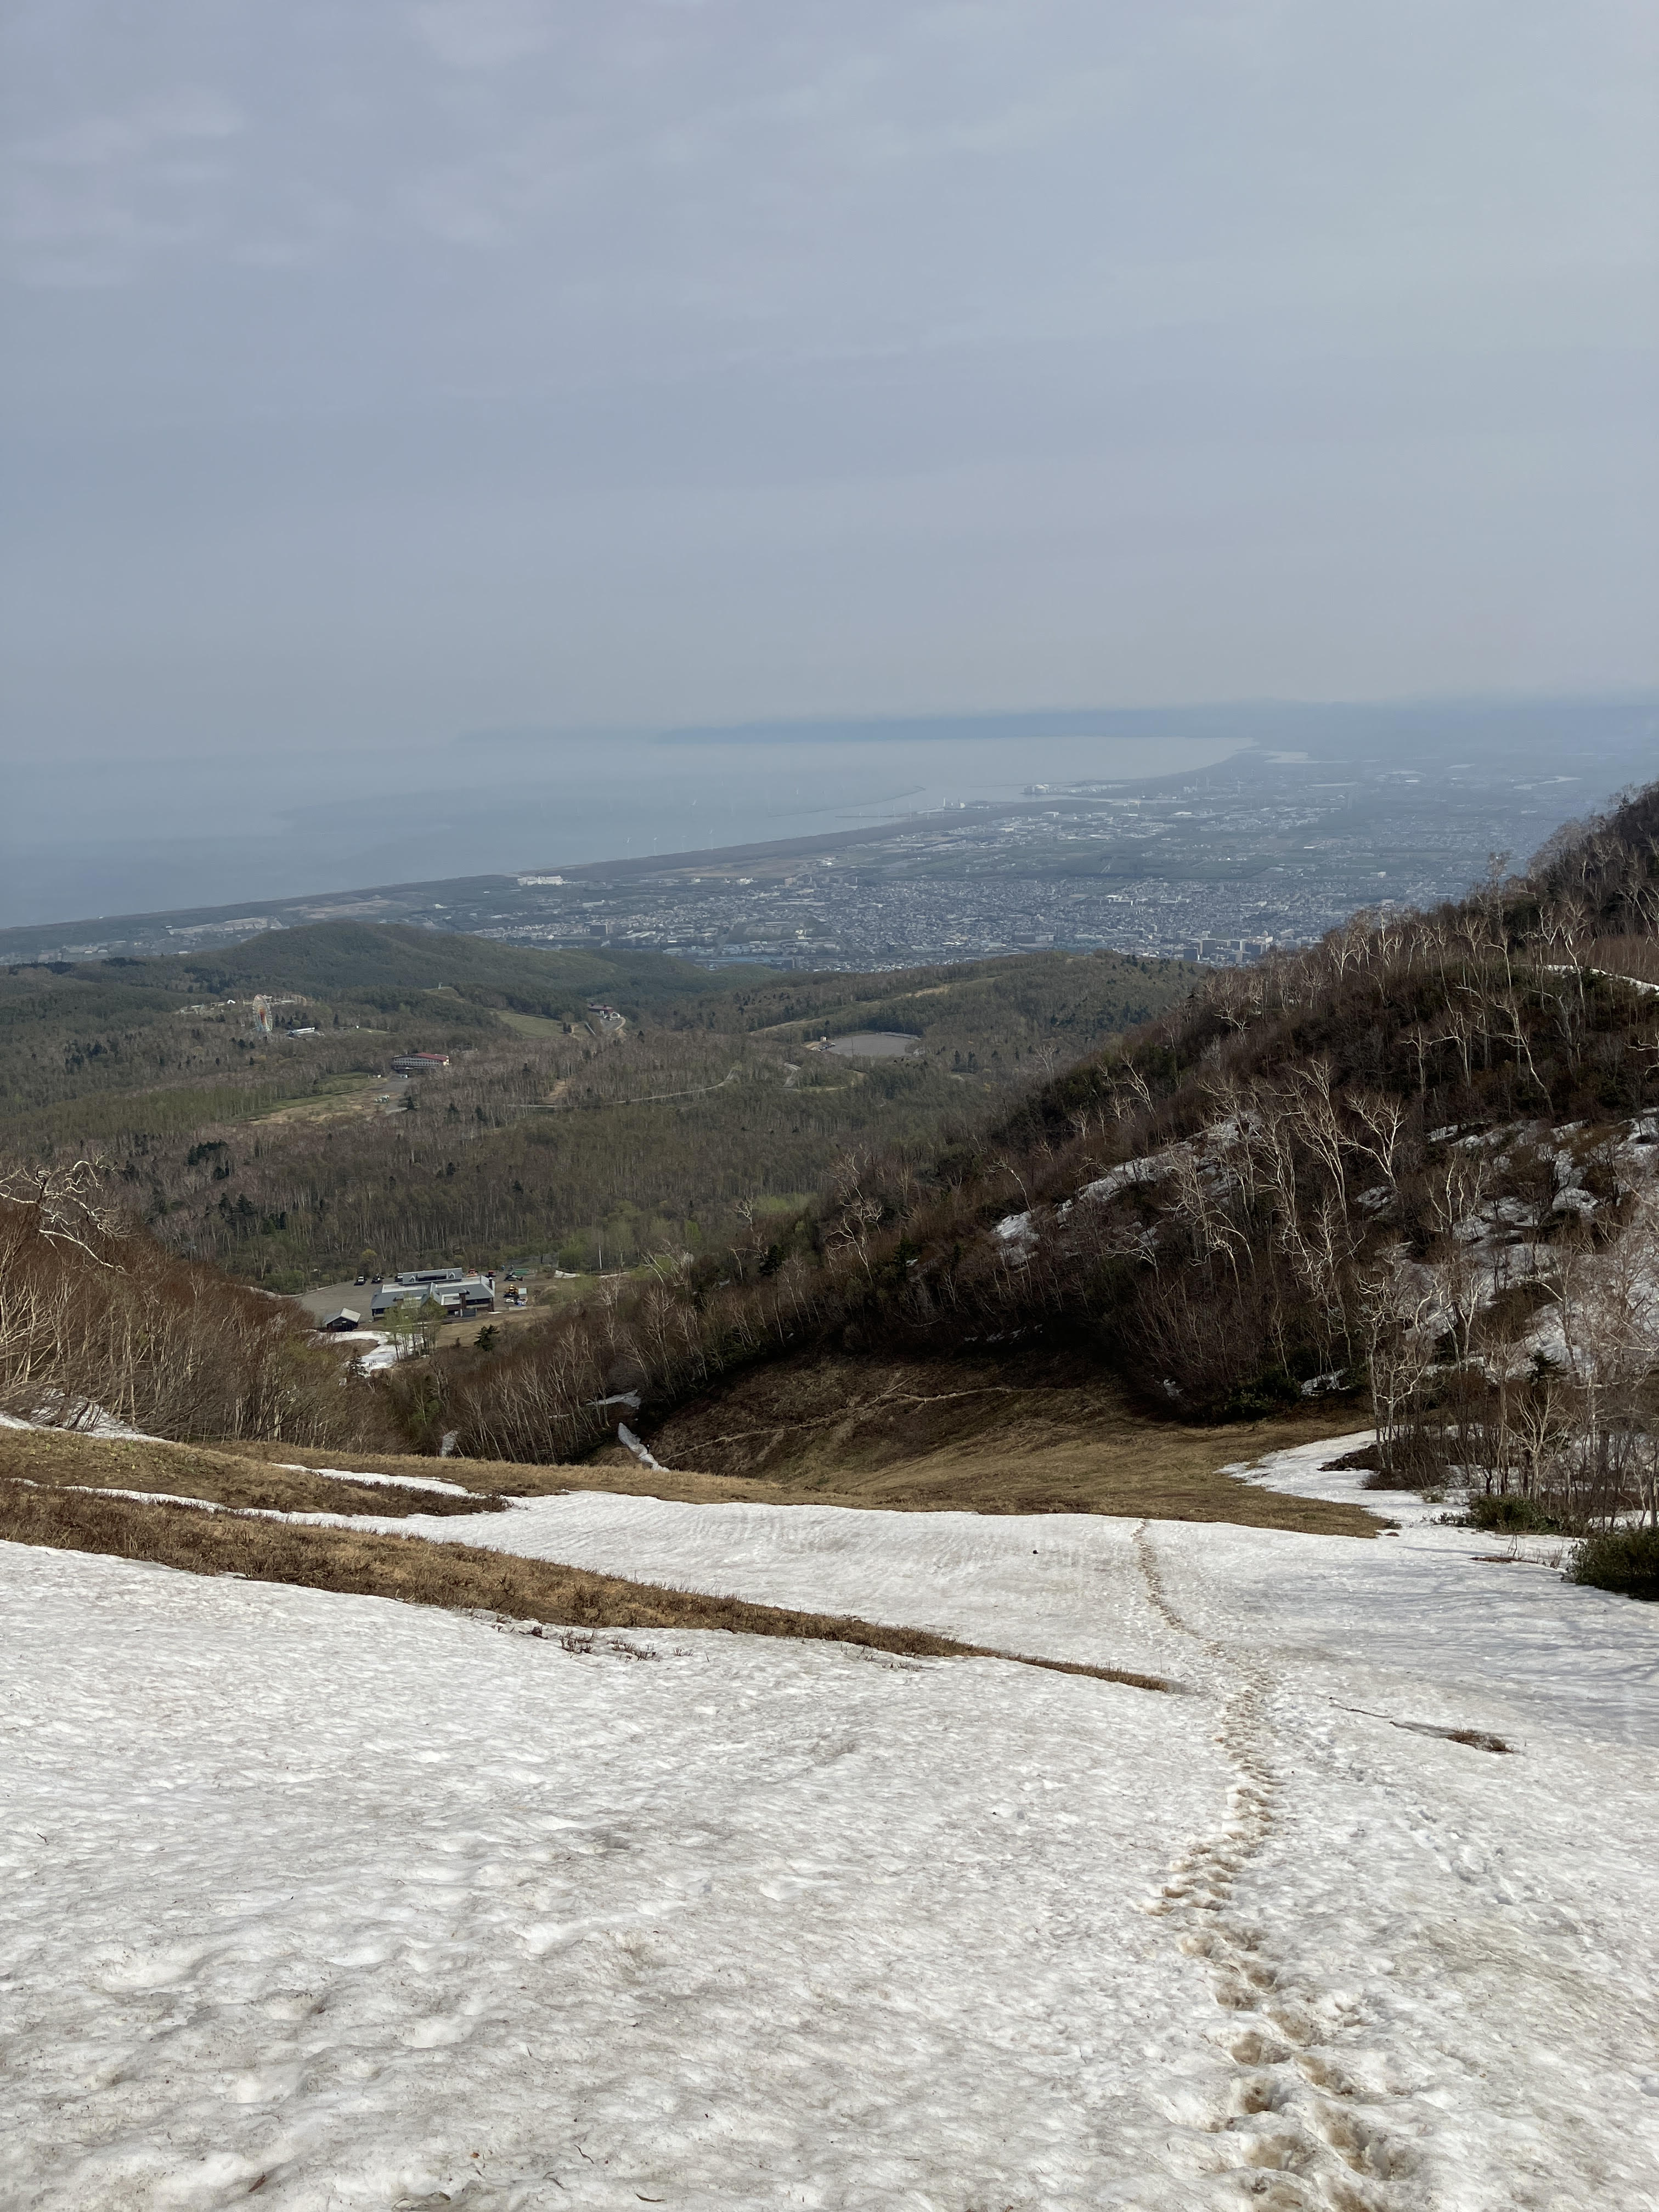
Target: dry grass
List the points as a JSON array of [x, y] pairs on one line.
[[342, 1096], [58, 1457], [507, 1321], [939, 1438], [455, 1576], [989, 1438], [1070, 1478]]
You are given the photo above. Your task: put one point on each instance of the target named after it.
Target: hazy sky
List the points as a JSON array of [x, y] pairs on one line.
[[380, 372]]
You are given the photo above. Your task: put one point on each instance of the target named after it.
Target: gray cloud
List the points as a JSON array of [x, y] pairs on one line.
[[395, 368], [94, 199]]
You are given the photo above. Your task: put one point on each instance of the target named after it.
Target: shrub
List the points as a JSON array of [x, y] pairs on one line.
[[1367, 1458], [1622, 1559], [1511, 1515]]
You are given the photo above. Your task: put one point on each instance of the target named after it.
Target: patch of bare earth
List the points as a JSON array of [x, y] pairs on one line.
[[56, 1458], [950, 1436], [996, 1437], [460, 1577], [939, 1437]]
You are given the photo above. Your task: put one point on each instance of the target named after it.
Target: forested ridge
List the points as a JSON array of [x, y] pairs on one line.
[[72, 1031], [1412, 1166], [1414, 1162], [556, 1129]]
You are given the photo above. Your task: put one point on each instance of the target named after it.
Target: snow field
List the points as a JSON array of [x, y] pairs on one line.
[[1443, 1959], [1462, 1943], [339, 1893], [322, 1896]]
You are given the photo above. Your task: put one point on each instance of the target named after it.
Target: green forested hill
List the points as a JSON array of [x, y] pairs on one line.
[[553, 1130], [68, 1030], [386, 964]]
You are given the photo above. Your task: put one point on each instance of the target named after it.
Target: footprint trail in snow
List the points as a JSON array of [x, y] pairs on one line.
[[1302, 2134]]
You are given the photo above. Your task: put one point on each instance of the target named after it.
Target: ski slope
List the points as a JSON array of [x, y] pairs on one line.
[[337, 1904]]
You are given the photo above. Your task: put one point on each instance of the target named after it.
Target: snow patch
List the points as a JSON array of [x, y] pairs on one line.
[[396, 1481], [630, 1441], [82, 1418], [1016, 1234]]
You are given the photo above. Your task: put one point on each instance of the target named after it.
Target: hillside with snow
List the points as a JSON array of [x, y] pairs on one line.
[[341, 1903], [344, 1874]]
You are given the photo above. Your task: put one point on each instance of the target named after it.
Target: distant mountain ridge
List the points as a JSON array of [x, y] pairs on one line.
[[1418, 1162]]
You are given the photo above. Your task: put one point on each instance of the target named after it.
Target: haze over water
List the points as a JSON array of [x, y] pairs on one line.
[[126, 838], [379, 377]]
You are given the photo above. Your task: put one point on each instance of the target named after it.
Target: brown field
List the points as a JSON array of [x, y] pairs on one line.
[[413, 1570], [998, 1436], [343, 1094], [944, 1438], [58, 1457]]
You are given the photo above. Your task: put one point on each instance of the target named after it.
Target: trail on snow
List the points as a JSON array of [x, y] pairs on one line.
[[1301, 2135], [765, 1923]]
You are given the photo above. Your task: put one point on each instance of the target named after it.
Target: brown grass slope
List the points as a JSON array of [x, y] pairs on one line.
[[1299, 1124], [454, 1577], [58, 1458], [978, 1436], [938, 1436]]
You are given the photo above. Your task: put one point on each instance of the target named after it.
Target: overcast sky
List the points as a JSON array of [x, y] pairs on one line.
[[380, 372]]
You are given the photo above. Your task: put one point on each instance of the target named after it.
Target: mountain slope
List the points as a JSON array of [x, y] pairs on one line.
[[1412, 1160], [555, 1128], [362, 960]]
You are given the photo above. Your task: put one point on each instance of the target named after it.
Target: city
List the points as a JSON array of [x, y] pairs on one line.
[[1261, 851], [1265, 849]]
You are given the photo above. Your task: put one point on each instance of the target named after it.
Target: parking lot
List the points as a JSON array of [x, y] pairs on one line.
[[327, 1299]]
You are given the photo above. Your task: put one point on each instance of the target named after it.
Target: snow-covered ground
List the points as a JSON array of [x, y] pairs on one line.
[[85, 1420], [347, 1905]]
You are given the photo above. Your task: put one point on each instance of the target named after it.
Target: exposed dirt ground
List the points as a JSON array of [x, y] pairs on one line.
[[58, 1458], [935, 1437]]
